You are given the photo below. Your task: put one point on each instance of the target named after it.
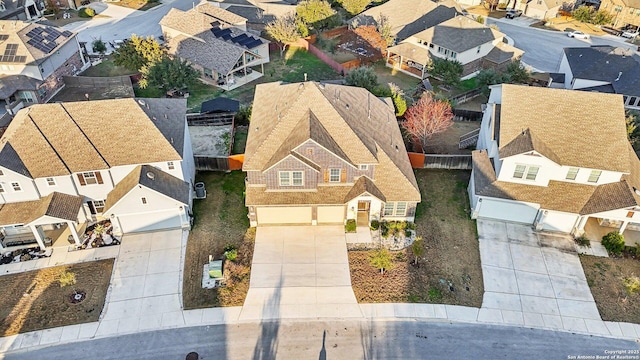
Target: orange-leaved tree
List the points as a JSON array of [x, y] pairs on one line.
[[427, 117]]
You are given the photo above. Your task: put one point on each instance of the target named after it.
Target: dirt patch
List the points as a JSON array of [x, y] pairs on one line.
[[220, 219], [34, 300], [451, 256], [606, 277], [447, 142]]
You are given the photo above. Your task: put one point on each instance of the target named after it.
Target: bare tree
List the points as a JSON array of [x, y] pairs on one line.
[[426, 118]]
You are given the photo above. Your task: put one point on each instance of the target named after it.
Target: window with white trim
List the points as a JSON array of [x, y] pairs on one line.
[[363, 167], [395, 208], [291, 178], [530, 171], [572, 173], [90, 178], [401, 208], [388, 208], [334, 175], [51, 181], [519, 172], [171, 165], [98, 205], [533, 172], [594, 176], [16, 186]]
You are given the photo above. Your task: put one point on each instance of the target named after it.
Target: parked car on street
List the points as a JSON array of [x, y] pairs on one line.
[[578, 35], [629, 34], [611, 30], [513, 13]]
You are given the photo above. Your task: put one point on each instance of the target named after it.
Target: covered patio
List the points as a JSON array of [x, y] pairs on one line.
[[43, 222], [595, 228], [409, 58]]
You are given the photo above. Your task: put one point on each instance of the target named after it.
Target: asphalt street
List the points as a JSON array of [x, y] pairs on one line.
[[340, 340], [543, 48]]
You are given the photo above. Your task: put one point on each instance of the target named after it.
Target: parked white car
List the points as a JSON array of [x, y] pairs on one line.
[[579, 35], [629, 34]]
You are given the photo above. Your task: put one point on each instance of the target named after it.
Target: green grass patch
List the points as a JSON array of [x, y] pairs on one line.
[[239, 140], [107, 68], [469, 84]]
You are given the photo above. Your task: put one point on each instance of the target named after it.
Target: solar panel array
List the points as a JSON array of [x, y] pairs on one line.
[[9, 55], [44, 39], [243, 39]]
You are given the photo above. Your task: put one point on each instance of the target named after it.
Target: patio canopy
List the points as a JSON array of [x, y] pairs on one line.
[[411, 52], [55, 205]]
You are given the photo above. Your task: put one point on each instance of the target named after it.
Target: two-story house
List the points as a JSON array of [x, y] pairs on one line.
[[602, 68], [217, 44], [474, 45], [625, 12], [21, 9], [547, 159], [324, 153], [126, 160], [34, 58]]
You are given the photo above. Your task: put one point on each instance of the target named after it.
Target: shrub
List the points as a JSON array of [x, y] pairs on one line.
[[67, 278], [86, 12], [583, 241], [407, 233], [99, 46], [434, 294], [613, 242], [350, 226], [229, 247], [231, 254], [632, 284], [449, 71], [381, 259], [411, 226], [363, 76], [480, 19], [243, 116], [375, 225]]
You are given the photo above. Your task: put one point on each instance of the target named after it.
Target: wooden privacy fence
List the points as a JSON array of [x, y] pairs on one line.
[[466, 96], [223, 163], [467, 115], [89, 81], [440, 161]]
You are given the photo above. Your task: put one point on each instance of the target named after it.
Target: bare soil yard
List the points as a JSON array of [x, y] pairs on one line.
[[220, 219], [34, 300], [606, 278], [447, 142], [451, 254]]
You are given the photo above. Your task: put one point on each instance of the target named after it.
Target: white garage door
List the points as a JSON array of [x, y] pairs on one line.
[[509, 211], [559, 221], [331, 214], [149, 222], [284, 215]]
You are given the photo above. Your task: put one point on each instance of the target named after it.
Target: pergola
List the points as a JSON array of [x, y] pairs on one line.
[[54, 208]]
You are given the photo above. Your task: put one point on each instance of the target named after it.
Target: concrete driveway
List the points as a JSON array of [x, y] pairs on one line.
[[534, 279], [300, 272]]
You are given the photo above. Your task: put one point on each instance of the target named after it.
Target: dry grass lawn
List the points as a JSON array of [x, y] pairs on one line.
[[606, 277], [141, 5], [565, 23], [451, 253], [34, 300], [220, 219], [447, 142]]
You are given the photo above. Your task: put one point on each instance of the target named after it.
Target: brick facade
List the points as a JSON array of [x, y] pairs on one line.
[[623, 14], [54, 81]]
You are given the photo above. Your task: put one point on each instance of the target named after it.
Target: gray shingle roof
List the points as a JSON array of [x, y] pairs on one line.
[[169, 117], [459, 34], [9, 84], [57, 205]]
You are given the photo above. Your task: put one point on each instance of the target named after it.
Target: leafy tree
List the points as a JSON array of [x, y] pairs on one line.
[[138, 52], [397, 95], [99, 46], [601, 17], [314, 12], [613, 242], [384, 29], [515, 73], [487, 77], [284, 30], [354, 7], [633, 128], [168, 74], [449, 71], [427, 118], [582, 13], [417, 248], [381, 259], [362, 76], [480, 19]]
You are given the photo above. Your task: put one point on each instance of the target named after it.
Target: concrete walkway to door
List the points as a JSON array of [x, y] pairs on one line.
[[300, 272]]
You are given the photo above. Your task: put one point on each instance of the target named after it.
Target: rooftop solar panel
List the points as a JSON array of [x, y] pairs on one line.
[[226, 36], [67, 33]]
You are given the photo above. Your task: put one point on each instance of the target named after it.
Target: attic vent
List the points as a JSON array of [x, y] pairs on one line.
[[637, 191], [165, 116], [347, 106], [141, 102], [151, 175]]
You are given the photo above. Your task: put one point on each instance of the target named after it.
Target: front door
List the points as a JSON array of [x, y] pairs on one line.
[[363, 213]]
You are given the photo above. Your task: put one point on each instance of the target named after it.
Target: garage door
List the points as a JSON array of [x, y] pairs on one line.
[[559, 221], [149, 222], [331, 214], [284, 215], [509, 211]]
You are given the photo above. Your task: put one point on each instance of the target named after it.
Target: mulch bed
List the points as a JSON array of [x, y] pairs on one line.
[[34, 300]]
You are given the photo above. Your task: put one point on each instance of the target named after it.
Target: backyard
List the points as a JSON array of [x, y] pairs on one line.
[[141, 5], [34, 300], [616, 300], [220, 220], [449, 271]]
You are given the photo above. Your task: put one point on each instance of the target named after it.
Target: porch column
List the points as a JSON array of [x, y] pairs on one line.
[[401, 61], [262, 68], [623, 226], [38, 236], [579, 228], [74, 232]]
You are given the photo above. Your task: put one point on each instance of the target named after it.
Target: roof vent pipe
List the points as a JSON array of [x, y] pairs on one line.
[[619, 75]]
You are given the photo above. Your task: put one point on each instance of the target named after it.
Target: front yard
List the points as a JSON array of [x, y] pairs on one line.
[[220, 220], [449, 271], [615, 286], [34, 300]]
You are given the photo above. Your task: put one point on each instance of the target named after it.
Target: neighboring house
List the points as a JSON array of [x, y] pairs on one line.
[[21, 9], [605, 69], [215, 42], [548, 159], [127, 160], [462, 39], [323, 153], [625, 12], [34, 60], [407, 17], [543, 9]]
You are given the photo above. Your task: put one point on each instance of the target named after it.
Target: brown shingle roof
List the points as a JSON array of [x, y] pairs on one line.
[[364, 185], [527, 142], [583, 135], [57, 205], [363, 128], [327, 195], [64, 138]]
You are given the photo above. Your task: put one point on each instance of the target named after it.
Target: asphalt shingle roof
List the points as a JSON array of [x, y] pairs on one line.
[[459, 34], [57, 205], [16, 32]]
